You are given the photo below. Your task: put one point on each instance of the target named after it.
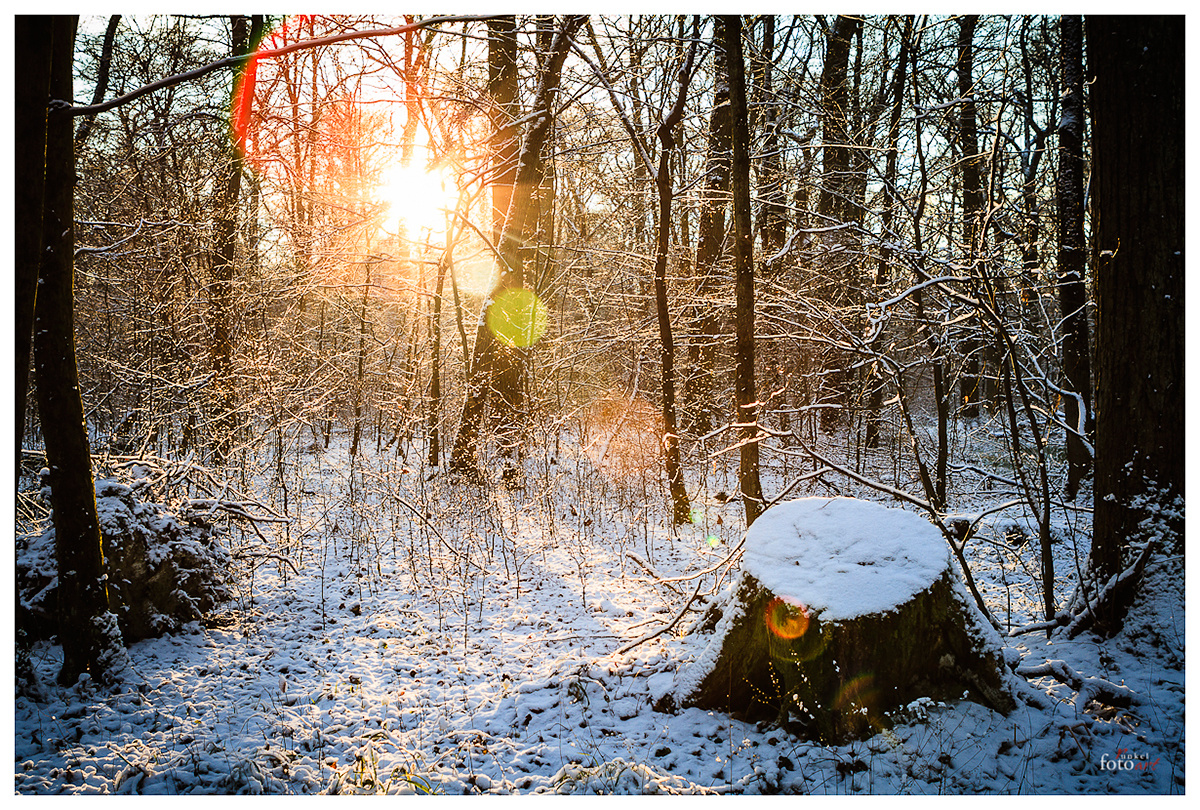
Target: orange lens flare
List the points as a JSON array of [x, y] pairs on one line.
[[787, 619], [243, 104], [241, 108]]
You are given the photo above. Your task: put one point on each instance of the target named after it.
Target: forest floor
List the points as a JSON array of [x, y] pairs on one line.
[[422, 636]]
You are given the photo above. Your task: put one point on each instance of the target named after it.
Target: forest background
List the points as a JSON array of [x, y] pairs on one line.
[[837, 249]]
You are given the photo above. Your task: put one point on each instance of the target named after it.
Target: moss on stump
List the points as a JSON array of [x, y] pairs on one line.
[[817, 662]]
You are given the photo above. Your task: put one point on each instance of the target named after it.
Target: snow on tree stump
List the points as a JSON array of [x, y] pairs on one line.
[[845, 610]]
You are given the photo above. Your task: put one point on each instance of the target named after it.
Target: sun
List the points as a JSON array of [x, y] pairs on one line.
[[417, 199]]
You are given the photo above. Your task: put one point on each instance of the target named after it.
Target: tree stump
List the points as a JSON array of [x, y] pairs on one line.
[[845, 610]]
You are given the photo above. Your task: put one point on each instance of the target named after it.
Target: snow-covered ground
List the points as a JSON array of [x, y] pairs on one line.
[[423, 638]]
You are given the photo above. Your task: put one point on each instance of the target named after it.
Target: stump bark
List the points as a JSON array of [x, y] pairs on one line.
[[845, 611]]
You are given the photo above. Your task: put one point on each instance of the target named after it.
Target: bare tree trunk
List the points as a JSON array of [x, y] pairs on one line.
[[972, 193], [87, 631], [360, 374], [935, 485], [774, 210], [34, 52], [746, 411], [836, 202], [1072, 293], [223, 259], [110, 35], [883, 271], [1138, 129], [681, 509]]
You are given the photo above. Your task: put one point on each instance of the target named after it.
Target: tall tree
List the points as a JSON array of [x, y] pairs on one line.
[[936, 483], [746, 410], [887, 249], [224, 249], [1072, 292], [836, 204], [972, 196], [106, 53], [34, 51], [681, 509], [1137, 103], [714, 199], [493, 358], [88, 632], [506, 134]]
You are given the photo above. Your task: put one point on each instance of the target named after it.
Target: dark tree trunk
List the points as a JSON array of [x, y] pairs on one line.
[[770, 183], [224, 263], [435, 379], [884, 271], [495, 367], [1138, 195], [937, 484], [972, 198], [681, 509], [87, 631], [33, 44], [711, 233], [836, 204], [509, 366], [360, 371], [1072, 292], [745, 398]]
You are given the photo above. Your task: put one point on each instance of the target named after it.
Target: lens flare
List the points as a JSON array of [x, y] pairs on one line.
[[858, 695], [786, 618], [518, 318]]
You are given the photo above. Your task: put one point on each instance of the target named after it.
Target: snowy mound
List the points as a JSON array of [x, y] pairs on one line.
[[842, 557]]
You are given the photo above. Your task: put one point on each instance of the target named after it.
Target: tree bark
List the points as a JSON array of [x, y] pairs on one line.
[[1072, 292], [972, 199], [836, 205], [506, 137], [110, 35], [1138, 238], [224, 263], [33, 44], [937, 484], [87, 631], [745, 396]]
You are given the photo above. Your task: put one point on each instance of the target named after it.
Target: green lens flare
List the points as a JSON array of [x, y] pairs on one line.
[[518, 317]]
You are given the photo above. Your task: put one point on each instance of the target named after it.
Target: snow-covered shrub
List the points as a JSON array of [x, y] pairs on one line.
[[163, 570]]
